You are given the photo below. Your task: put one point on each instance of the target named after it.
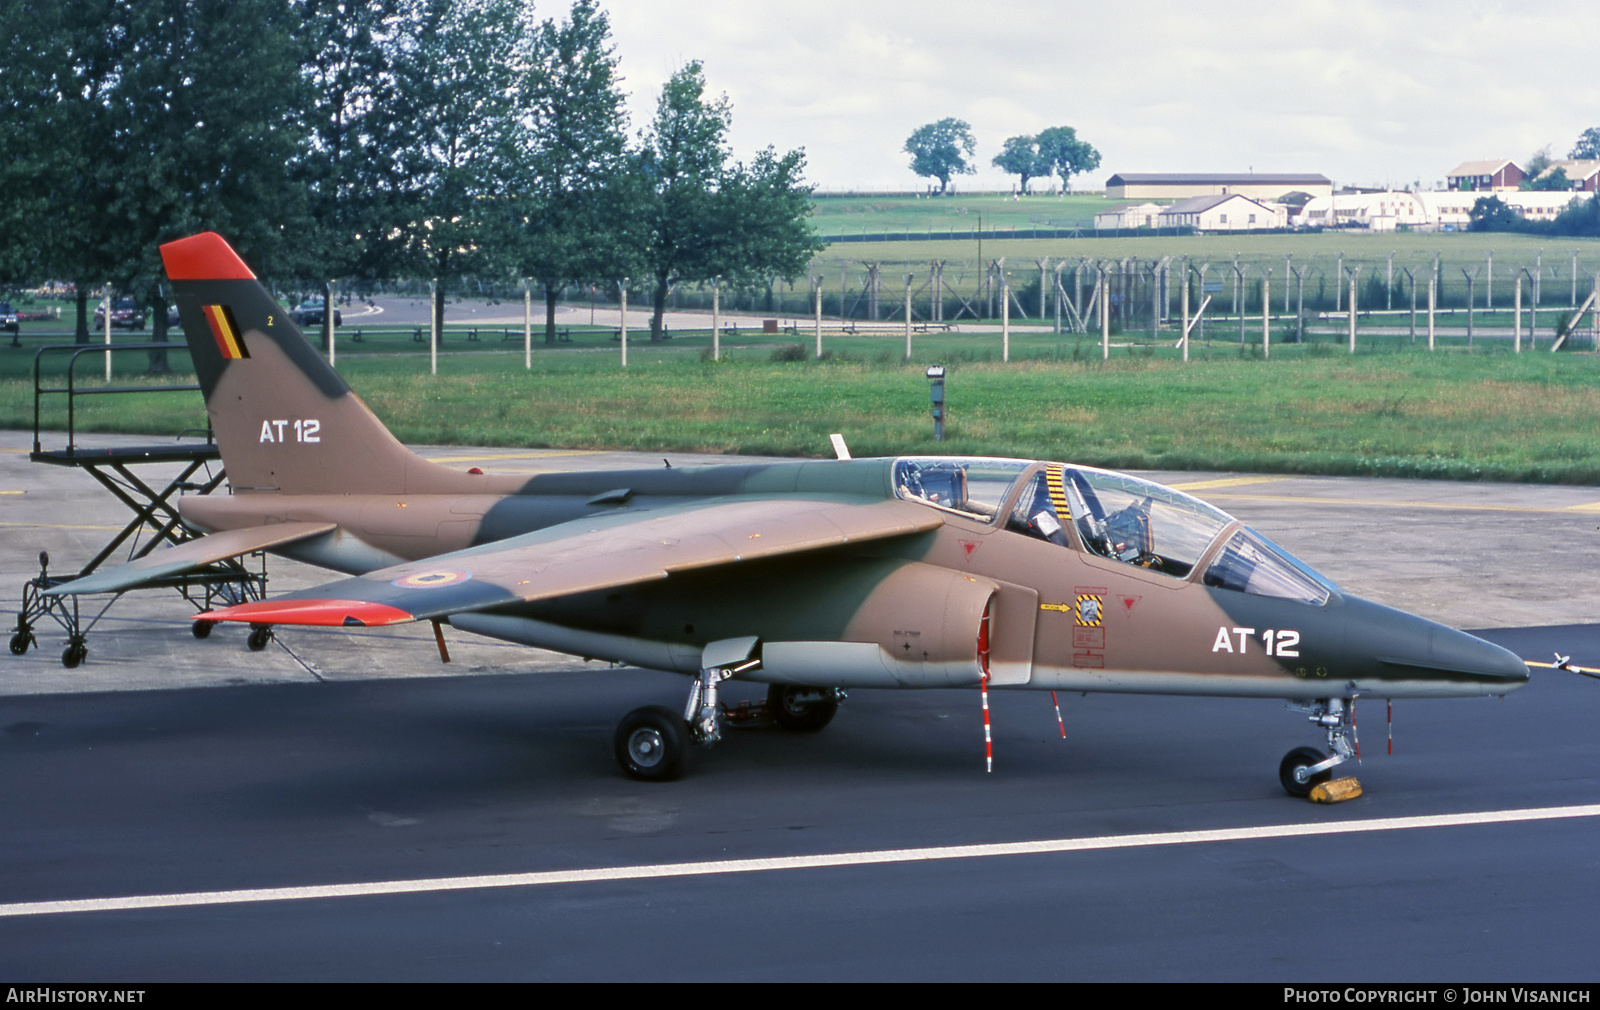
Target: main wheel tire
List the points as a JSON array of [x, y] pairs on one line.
[[1292, 767], [259, 637], [801, 709], [202, 629], [652, 744], [19, 643], [73, 655]]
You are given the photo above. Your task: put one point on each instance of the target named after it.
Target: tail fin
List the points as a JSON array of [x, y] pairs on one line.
[[283, 419]]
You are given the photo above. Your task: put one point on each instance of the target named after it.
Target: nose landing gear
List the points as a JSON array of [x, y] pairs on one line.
[[1303, 769]]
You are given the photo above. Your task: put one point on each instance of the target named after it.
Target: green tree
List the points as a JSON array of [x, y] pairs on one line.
[[1538, 161], [1555, 179], [1062, 153], [458, 67], [574, 200], [681, 162], [1490, 213], [706, 220], [351, 170], [942, 150], [763, 211], [204, 129], [1588, 145], [1581, 217], [55, 181], [1020, 157]]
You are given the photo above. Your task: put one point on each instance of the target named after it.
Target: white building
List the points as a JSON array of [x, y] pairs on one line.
[[1129, 215], [1223, 213], [1375, 211], [1446, 210]]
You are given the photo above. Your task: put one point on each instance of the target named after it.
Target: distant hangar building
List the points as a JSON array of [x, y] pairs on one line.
[[1182, 185]]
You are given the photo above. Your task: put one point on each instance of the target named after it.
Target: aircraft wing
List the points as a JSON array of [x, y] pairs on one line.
[[590, 554], [190, 555]]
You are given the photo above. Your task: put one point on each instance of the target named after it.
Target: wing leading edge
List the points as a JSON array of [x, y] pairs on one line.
[[590, 554], [190, 556]]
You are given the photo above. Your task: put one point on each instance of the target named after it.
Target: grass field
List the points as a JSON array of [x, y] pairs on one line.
[[854, 215], [1390, 410]]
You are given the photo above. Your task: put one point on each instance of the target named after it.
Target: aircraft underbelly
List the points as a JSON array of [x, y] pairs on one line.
[[1252, 685]]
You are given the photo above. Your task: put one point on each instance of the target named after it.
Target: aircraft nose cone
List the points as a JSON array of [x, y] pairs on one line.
[[1468, 654], [1407, 647]]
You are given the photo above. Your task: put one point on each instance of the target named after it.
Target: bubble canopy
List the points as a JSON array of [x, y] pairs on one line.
[[1112, 515]]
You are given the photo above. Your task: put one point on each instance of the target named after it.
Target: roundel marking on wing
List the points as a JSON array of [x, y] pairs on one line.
[[432, 580]]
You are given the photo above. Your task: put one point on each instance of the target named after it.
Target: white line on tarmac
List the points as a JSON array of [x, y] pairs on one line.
[[837, 859]]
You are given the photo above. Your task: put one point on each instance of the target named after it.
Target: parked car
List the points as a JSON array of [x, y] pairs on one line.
[[8, 318], [126, 314], [311, 311]]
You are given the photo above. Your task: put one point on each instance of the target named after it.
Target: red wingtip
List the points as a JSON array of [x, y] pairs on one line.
[[321, 613], [204, 257]]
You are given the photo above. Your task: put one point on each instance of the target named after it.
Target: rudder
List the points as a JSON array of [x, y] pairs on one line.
[[284, 420]]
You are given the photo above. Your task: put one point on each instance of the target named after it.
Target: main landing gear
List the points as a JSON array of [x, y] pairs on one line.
[[1304, 768], [652, 743]]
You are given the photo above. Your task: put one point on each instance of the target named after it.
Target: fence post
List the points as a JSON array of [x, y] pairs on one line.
[[1005, 319], [716, 319], [433, 326], [1239, 294], [1184, 300], [1059, 295], [1105, 314], [1353, 274], [622, 328], [908, 317], [328, 329], [1411, 280], [1044, 269], [1266, 315], [527, 323], [107, 317], [1533, 306], [816, 294], [1471, 277], [1433, 298], [1516, 318]]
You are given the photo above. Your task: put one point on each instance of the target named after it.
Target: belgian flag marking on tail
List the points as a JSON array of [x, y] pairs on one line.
[[226, 331]]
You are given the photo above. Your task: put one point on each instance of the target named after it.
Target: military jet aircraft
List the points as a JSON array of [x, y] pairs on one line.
[[810, 576]]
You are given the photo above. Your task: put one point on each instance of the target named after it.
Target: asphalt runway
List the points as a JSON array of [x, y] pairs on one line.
[[469, 823]]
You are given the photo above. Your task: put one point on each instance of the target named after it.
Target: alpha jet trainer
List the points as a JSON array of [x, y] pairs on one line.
[[812, 576]]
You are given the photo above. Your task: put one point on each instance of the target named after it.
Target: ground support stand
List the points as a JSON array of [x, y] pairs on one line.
[[155, 523]]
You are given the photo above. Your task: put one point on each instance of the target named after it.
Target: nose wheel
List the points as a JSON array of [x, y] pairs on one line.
[[1294, 771], [1304, 768]]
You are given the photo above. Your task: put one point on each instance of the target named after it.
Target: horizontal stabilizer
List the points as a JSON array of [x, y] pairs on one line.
[[189, 556], [596, 553]]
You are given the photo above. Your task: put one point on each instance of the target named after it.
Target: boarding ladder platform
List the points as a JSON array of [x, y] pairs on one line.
[[189, 463]]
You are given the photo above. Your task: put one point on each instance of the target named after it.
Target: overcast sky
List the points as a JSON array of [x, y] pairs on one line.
[[1362, 91]]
